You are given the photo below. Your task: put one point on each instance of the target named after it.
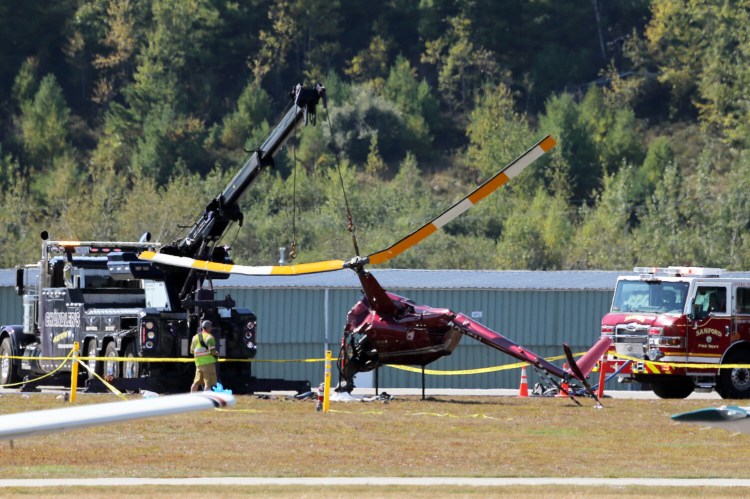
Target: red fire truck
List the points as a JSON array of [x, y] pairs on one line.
[[682, 328]]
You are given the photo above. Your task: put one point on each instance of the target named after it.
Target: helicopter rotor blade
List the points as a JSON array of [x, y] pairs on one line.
[[229, 268], [484, 190], [578, 374], [481, 192]]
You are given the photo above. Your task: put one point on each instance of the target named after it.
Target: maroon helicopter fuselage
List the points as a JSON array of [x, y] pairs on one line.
[[385, 328], [409, 334]]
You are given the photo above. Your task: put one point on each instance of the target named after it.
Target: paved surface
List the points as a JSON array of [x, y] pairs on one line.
[[382, 481]]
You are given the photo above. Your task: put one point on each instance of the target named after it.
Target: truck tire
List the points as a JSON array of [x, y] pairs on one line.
[[94, 366], [112, 368], [735, 383], [673, 387], [8, 367], [130, 369]]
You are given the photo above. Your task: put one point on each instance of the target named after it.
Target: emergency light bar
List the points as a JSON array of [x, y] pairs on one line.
[[89, 247], [673, 271]]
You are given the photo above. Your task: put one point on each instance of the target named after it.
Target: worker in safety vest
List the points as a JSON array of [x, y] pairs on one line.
[[203, 347]]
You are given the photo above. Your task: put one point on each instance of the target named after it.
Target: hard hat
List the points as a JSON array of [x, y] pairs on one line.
[[206, 325]]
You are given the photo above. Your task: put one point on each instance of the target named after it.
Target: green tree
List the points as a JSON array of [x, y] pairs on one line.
[[26, 83], [710, 72], [249, 120], [663, 234], [121, 46], [734, 213], [415, 100], [44, 123], [462, 65], [615, 130], [170, 140], [19, 223], [537, 233], [275, 42], [366, 114], [603, 238], [497, 132], [659, 155], [370, 64], [575, 162]]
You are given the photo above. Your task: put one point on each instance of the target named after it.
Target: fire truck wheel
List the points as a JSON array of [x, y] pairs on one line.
[[111, 368], [8, 367], [94, 366], [673, 387], [130, 368], [735, 383]]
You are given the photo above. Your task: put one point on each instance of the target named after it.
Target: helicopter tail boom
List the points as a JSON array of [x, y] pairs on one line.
[[485, 335], [587, 362]]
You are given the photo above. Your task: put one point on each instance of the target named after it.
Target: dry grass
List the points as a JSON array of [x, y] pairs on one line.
[[444, 436]]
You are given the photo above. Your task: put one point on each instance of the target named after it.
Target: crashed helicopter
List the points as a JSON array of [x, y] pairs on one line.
[[383, 328]]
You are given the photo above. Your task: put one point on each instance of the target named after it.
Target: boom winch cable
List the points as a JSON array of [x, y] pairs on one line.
[[350, 225], [293, 244]]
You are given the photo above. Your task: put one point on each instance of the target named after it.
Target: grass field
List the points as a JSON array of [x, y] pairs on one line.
[[408, 437]]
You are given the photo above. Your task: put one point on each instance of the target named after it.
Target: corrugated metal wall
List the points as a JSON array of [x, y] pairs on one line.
[[11, 306], [293, 324]]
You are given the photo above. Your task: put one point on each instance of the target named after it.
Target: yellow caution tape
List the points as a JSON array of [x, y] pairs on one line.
[[254, 411], [109, 386], [447, 415], [481, 370], [692, 365], [434, 372], [64, 359], [377, 413]]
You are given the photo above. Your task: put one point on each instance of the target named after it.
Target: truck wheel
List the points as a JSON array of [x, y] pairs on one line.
[[735, 383], [673, 387], [94, 366], [130, 368], [111, 367], [8, 367]]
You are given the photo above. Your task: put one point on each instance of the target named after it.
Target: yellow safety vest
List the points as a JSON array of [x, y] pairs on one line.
[[202, 354]]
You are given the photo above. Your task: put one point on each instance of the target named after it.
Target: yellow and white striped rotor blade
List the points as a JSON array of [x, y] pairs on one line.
[[226, 268], [499, 179]]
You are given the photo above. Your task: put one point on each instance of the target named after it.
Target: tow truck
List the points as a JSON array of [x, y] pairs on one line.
[[136, 314]]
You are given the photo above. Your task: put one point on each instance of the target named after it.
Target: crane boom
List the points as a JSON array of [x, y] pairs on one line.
[[224, 209]]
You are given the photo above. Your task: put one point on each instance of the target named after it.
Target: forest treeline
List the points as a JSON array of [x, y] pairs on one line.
[[126, 116]]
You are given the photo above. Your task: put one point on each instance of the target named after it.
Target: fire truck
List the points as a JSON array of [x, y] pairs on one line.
[[132, 313], [675, 328]]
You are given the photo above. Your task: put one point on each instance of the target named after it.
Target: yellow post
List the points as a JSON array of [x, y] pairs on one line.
[[74, 374], [327, 381]]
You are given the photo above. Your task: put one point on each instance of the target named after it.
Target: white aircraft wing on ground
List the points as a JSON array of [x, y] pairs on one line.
[[25, 424], [728, 417]]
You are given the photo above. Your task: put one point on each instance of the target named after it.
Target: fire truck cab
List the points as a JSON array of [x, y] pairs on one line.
[[682, 328]]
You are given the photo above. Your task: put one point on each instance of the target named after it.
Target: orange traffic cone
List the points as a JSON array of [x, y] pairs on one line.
[[523, 390]]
